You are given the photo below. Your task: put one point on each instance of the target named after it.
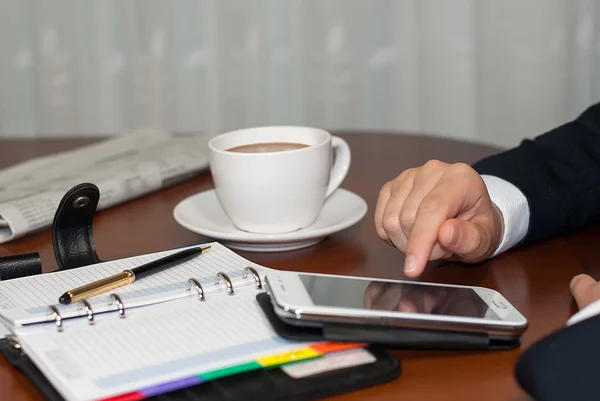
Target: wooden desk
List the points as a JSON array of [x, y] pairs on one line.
[[535, 279]]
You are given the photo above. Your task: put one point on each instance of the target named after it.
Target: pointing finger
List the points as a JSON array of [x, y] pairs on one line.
[[445, 201]]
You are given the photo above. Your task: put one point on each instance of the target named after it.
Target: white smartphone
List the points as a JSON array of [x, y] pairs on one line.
[[313, 299]]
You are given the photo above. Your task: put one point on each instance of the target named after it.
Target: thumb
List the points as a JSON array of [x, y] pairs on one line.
[[465, 239], [583, 288]]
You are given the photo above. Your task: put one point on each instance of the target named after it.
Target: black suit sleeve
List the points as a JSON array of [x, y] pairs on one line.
[[559, 174], [563, 365]]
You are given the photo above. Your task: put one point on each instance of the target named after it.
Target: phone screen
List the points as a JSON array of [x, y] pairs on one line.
[[403, 297]]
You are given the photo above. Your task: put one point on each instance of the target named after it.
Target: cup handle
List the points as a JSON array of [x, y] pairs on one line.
[[341, 164]]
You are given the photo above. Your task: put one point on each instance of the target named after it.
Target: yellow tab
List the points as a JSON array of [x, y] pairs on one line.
[[288, 357]]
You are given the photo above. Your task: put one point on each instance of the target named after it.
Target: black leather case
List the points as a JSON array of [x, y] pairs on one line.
[[389, 337], [14, 266]]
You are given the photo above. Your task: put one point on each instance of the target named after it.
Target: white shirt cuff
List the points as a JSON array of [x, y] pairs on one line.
[[515, 212], [592, 309], [514, 208]]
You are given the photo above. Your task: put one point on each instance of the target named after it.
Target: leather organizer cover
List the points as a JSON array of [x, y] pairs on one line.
[[73, 243], [263, 384]]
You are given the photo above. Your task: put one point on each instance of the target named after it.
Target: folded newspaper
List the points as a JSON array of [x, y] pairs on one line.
[[123, 167]]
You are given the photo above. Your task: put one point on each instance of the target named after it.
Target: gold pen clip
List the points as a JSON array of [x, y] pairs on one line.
[[100, 286]]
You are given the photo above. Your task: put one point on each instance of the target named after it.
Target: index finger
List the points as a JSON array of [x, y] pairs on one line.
[[445, 201]]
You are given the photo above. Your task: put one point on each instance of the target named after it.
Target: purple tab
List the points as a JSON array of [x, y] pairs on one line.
[[174, 385]]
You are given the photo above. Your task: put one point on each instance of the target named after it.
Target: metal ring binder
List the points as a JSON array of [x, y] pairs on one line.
[[57, 317], [89, 311], [120, 304], [227, 281], [12, 341], [198, 286], [257, 279]]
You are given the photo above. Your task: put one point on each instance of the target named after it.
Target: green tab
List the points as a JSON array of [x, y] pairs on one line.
[[232, 370]]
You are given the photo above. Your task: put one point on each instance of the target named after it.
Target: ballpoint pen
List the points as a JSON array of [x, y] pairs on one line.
[[127, 276]]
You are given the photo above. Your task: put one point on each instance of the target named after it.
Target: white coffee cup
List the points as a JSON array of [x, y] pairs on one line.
[[277, 191]]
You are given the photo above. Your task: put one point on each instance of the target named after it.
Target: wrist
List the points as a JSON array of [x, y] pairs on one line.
[[498, 228], [511, 213]]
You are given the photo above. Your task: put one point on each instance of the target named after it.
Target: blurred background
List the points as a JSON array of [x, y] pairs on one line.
[[487, 71]]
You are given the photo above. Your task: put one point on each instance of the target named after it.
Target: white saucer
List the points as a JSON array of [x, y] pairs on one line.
[[203, 214]]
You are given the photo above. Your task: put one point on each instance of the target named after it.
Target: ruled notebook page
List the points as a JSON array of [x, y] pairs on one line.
[[26, 300], [154, 347]]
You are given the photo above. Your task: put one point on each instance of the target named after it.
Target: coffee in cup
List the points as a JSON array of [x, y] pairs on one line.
[[275, 179], [267, 147]]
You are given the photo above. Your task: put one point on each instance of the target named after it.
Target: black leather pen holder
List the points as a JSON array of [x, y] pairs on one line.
[[72, 236], [384, 336]]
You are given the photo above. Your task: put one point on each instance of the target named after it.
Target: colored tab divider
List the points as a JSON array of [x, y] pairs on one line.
[[266, 362], [273, 361]]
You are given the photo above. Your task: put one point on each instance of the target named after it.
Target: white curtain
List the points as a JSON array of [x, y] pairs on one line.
[[490, 71]]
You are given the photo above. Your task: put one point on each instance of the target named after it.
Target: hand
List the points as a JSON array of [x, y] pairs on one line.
[[585, 290], [438, 211]]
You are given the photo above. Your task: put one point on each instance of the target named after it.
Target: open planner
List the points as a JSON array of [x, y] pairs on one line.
[[189, 323]]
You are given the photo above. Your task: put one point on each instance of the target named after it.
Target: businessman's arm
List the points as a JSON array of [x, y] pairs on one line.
[[564, 364], [543, 187], [444, 211], [559, 175]]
